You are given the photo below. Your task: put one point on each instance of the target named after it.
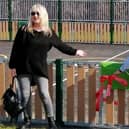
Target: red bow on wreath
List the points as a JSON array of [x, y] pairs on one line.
[[109, 79]]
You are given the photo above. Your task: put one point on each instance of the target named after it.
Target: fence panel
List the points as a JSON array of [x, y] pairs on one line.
[[83, 32], [79, 96], [70, 94], [81, 93], [82, 21], [93, 19]]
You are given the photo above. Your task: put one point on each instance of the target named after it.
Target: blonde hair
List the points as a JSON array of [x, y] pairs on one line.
[[44, 21]]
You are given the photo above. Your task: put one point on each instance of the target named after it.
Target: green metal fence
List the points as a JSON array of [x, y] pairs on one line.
[[110, 12]]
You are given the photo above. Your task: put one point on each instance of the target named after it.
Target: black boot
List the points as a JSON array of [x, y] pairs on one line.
[[51, 123], [25, 125], [27, 122]]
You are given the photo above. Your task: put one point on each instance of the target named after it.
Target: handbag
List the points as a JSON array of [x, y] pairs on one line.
[[10, 102]]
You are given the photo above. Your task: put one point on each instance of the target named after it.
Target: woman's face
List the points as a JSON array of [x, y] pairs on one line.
[[35, 17]]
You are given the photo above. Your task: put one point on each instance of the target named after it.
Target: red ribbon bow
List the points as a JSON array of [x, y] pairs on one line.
[[109, 79]]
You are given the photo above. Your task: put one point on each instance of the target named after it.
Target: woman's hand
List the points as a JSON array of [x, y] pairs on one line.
[[13, 72], [81, 53]]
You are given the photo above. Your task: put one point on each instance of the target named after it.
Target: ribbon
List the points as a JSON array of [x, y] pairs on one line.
[[99, 94], [109, 79]]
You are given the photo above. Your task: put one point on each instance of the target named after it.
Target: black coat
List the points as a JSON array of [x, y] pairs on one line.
[[29, 52]]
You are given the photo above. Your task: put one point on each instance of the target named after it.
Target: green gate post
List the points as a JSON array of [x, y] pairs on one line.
[[10, 19], [59, 18], [111, 22], [59, 91]]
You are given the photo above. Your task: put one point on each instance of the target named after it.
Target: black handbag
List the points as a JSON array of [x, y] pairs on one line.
[[10, 102]]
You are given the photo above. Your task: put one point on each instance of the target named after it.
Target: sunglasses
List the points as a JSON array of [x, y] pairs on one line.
[[34, 13]]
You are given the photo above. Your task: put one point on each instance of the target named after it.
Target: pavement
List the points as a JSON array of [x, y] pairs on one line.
[[94, 51]]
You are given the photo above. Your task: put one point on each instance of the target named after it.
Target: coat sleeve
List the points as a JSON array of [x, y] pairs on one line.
[[61, 46], [15, 49]]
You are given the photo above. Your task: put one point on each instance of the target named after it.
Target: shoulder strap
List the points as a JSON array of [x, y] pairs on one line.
[[24, 28], [12, 83]]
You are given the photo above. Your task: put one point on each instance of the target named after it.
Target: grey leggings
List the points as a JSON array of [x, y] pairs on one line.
[[42, 84]]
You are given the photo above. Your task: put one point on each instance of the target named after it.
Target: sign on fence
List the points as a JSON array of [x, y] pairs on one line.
[[108, 68]]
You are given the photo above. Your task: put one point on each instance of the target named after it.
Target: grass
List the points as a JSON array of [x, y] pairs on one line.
[[7, 127], [14, 127]]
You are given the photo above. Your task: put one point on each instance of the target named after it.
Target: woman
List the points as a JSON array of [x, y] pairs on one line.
[[28, 59]]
